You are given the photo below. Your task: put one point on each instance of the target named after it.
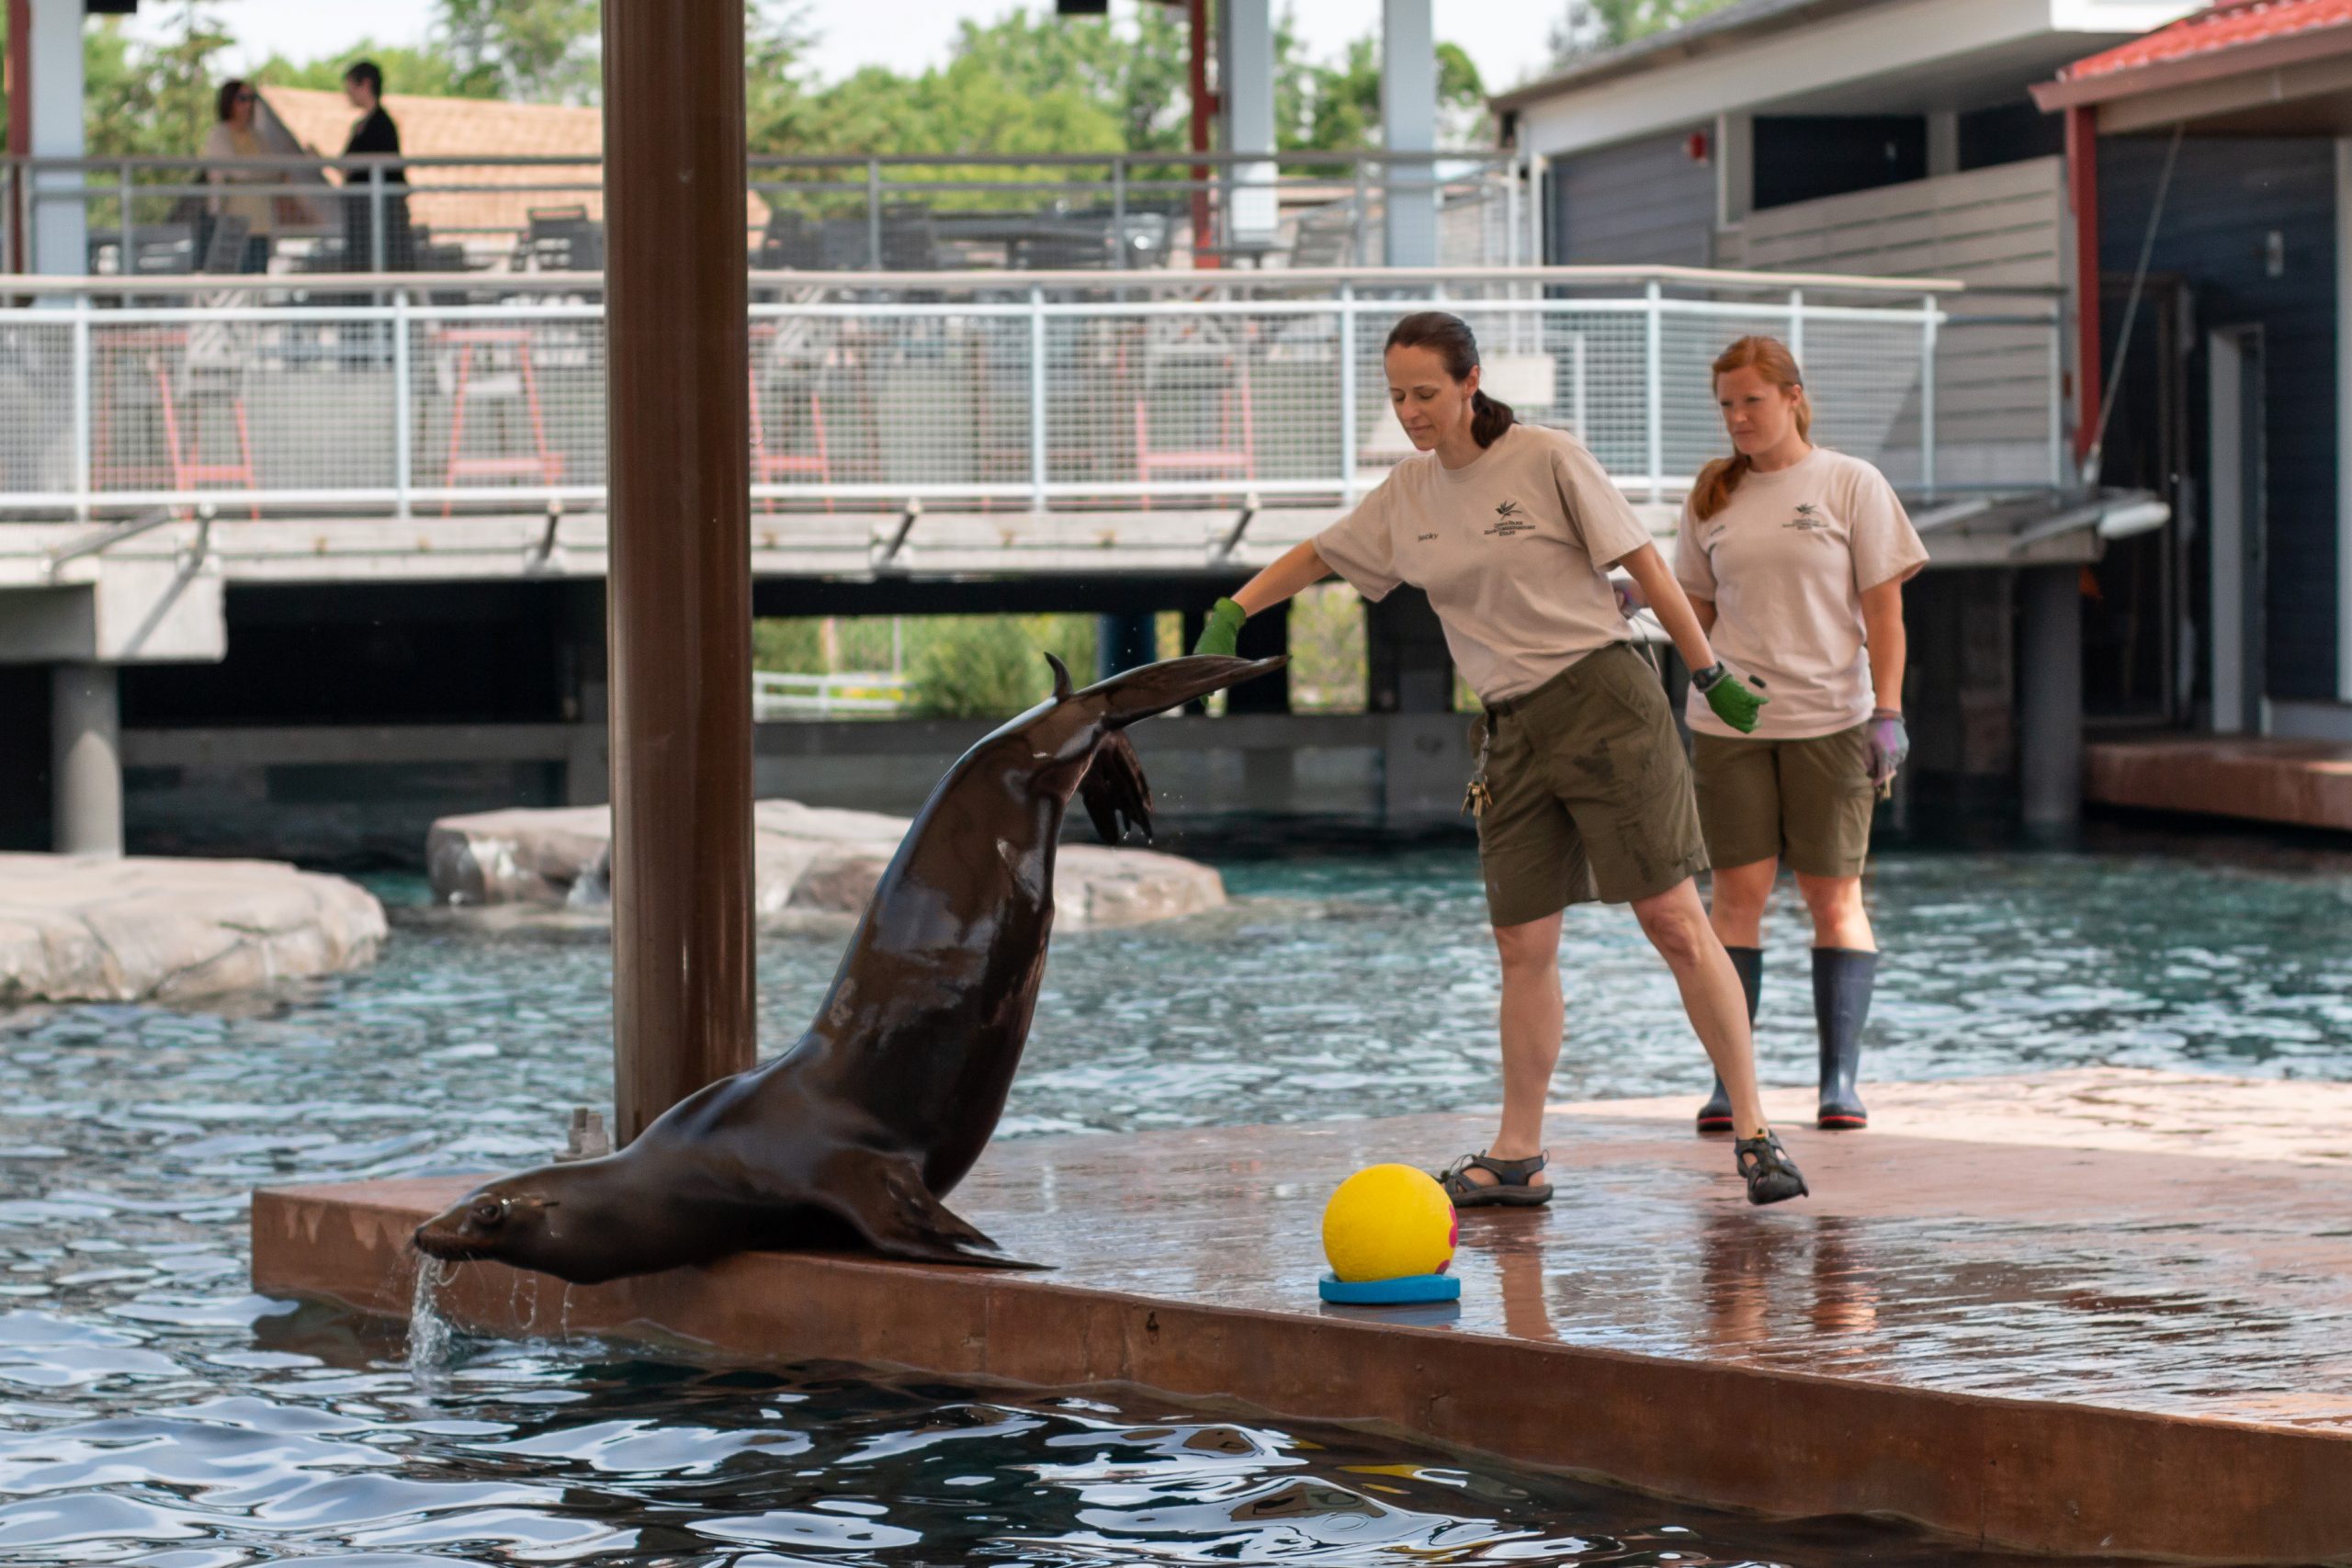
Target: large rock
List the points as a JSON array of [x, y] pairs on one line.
[[808, 859], [87, 928]]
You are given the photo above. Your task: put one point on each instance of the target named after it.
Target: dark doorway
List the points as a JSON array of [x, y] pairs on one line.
[[2135, 596]]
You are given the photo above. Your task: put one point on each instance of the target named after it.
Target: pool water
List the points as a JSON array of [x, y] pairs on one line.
[[153, 1411]]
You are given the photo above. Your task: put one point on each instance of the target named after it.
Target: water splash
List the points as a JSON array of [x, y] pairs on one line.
[[428, 1331]]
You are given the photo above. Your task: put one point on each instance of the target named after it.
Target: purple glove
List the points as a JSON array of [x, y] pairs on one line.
[[1889, 743], [1630, 597]]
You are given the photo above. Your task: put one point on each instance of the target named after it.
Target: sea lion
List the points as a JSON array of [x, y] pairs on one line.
[[860, 1129]]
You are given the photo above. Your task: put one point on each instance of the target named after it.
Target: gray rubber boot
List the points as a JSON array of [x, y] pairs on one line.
[[1841, 1005], [1716, 1116]]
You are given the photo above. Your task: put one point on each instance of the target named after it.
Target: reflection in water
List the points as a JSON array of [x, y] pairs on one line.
[[1806, 1278], [153, 1411]]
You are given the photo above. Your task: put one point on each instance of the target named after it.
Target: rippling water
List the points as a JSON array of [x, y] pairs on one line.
[[152, 1411]]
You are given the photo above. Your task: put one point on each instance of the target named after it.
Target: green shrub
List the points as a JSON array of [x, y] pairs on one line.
[[991, 666], [787, 647]]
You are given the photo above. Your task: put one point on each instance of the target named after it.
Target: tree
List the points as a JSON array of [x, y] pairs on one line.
[[157, 99], [1338, 106], [544, 51], [1138, 76], [406, 70], [1591, 26], [778, 111]]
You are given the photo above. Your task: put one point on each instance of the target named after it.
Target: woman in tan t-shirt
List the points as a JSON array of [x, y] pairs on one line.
[[232, 137], [1582, 790], [1794, 558]]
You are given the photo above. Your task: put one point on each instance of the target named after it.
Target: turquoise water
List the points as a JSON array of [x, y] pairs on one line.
[[153, 1411]]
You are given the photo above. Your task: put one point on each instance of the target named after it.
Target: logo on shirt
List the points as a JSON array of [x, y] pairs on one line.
[[1510, 518], [1808, 518]]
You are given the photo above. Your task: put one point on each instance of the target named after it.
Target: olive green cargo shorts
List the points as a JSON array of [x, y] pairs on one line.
[[1807, 802], [1591, 792]]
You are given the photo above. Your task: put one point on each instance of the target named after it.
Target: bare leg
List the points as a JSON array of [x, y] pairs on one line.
[[1736, 897], [1530, 1038], [1675, 923], [1839, 919]]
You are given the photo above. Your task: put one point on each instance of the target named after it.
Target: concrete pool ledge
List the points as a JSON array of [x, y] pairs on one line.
[[2029, 1343]]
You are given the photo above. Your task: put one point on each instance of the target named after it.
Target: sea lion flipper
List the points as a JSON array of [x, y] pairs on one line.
[[1117, 796], [882, 1196]]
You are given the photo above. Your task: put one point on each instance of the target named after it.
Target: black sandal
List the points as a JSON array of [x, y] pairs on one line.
[[1771, 1175], [1510, 1187]]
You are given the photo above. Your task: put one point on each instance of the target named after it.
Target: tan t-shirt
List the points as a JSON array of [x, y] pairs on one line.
[[1513, 550], [1786, 561], [224, 142]]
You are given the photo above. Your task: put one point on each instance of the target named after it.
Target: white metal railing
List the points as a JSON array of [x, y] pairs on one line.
[[777, 696], [148, 215], [1063, 391]]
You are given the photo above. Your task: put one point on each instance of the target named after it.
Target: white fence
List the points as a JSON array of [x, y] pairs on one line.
[[1066, 392], [840, 694]]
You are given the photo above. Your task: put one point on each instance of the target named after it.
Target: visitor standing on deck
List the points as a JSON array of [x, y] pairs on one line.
[[1582, 789], [234, 140], [374, 131], [1794, 558]]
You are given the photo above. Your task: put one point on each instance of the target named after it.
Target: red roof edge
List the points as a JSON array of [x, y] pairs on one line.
[[2221, 40]]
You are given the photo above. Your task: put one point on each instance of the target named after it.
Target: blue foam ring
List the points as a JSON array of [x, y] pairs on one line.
[[1399, 1292]]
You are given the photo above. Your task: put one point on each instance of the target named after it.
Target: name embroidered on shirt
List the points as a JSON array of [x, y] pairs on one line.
[[1510, 518], [1423, 538], [1808, 518]]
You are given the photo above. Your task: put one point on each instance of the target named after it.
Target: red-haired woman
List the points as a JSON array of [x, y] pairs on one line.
[[1794, 558], [1586, 793]]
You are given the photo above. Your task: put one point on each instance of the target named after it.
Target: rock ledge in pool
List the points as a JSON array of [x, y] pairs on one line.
[[101, 929], [810, 860]]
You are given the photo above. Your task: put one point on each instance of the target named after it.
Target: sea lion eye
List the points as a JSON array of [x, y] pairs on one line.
[[490, 1212]]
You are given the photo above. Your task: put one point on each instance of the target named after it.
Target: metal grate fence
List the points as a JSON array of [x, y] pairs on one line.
[[1015, 399]]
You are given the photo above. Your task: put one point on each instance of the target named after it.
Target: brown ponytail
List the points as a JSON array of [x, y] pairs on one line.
[[1450, 335], [1770, 357]]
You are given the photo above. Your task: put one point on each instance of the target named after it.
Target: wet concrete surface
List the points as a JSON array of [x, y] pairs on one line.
[[2114, 1329]]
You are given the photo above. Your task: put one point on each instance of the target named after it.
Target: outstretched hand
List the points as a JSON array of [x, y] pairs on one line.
[[1222, 632]]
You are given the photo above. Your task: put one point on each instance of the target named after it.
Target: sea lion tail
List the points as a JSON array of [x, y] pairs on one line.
[[1148, 689]]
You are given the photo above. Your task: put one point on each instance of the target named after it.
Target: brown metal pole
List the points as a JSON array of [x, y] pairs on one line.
[[676, 363], [20, 122], [1203, 109]]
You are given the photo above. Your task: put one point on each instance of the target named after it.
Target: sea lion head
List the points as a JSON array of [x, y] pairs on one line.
[[560, 1219]]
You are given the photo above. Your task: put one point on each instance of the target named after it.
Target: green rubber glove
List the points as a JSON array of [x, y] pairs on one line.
[[1733, 701], [1223, 630]]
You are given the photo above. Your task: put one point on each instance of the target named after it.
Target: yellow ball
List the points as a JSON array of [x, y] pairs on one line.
[[1388, 1221]]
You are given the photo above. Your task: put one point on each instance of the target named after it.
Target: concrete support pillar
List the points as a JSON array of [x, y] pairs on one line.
[[59, 226], [1408, 124], [586, 661], [2343, 419], [1245, 85], [2050, 696], [1943, 142], [1123, 641], [1734, 167], [85, 760], [1265, 634], [1270, 777], [1405, 657]]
